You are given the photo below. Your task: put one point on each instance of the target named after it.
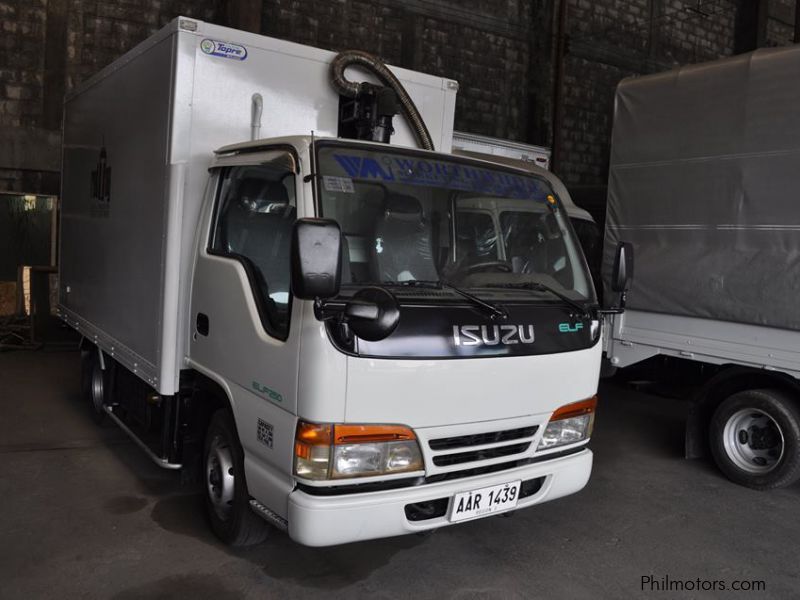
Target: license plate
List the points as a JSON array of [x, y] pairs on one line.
[[485, 501]]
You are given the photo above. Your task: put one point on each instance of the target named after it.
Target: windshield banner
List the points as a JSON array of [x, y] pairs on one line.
[[439, 174]]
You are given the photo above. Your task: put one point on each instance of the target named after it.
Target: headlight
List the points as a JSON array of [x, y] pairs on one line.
[[569, 424], [325, 451]]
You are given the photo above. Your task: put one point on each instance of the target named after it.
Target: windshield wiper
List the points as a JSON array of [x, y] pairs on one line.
[[495, 312], [541, 287]]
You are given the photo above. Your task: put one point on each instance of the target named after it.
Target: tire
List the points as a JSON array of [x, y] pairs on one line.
[[755, 439], [607, 370], [86, 372], [95, 384], [226, 497]]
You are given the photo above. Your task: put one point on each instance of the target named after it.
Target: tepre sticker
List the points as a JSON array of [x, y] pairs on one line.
[[338, 184], [223, 49]]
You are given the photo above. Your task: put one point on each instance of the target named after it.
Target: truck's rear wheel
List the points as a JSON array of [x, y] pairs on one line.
[[227, 499], [755, 439], [95, 384]]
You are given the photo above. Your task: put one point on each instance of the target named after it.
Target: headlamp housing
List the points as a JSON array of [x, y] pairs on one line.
[[343, 451]]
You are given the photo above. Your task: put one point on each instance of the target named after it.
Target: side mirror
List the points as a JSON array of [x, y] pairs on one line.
[[316, 259], [623, 268], [372, 314]]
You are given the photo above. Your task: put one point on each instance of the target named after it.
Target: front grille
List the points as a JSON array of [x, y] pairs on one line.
[[475, 471], [475, 449], [445, 460], [480, 439]]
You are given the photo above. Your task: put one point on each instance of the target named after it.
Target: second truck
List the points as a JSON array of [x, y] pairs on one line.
[[704, 182]]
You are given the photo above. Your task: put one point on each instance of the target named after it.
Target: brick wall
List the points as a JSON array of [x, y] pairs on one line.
[[780, 23], [49, 46], [99, 32], [484, 44], [501, 52], [614, 39], [21, 62]]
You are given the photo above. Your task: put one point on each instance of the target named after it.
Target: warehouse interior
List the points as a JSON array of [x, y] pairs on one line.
[[87, 512]]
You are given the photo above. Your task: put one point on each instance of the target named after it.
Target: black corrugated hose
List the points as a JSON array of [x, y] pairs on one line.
[[376, 66]]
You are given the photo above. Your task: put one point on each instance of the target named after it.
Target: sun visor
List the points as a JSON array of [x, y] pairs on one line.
[[279, 159]]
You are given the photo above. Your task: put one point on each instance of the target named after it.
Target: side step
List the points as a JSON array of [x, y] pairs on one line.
[[161, 462], [268, 515]]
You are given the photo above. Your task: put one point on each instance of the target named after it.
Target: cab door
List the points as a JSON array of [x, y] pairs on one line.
[[245, 333]]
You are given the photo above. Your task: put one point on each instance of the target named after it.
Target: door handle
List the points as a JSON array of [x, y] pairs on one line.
[[201, 324]]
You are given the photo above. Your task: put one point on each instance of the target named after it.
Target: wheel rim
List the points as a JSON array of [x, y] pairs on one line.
[[219, 477], [753, 441], [98, 388]]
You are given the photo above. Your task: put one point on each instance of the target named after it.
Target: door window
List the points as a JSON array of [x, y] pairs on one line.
[[255, 213]]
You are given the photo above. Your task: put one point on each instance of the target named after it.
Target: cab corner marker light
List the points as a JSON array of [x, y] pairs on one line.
[[575, 409], [569, 424], [312, 450], [551, 199]]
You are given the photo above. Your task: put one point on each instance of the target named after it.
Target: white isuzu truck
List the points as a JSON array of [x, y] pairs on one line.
[[704, 183], [344, 337]]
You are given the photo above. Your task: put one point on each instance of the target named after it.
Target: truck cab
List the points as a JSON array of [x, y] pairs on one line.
[[349, 436]]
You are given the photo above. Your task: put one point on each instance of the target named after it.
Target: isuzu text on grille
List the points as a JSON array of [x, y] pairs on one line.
[[492, 335]]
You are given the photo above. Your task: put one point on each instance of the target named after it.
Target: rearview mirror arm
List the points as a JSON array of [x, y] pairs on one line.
[[323, 312]]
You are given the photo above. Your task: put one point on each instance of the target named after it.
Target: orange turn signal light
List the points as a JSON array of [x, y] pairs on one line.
[[314, 434], [575, 409], [309, 435], [357, 434]]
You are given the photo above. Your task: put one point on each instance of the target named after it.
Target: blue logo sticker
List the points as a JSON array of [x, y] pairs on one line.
[[567, 328], [224, 49], [441, 174]]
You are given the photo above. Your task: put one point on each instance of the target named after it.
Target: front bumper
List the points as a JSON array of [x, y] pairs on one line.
[[330, 520]]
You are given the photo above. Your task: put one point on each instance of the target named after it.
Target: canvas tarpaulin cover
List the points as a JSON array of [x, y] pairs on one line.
[[705, 182]]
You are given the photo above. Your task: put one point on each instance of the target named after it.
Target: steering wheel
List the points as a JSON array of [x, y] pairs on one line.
[[499, 265]]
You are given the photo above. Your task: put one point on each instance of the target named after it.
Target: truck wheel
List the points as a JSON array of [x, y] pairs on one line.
[[95, 384], [755, 439], [607, 370], [227, 499]]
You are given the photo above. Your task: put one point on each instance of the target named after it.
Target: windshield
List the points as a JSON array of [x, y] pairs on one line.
[[409, 218]]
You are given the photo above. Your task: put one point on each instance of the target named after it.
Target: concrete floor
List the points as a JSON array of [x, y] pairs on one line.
[[85, 514]]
